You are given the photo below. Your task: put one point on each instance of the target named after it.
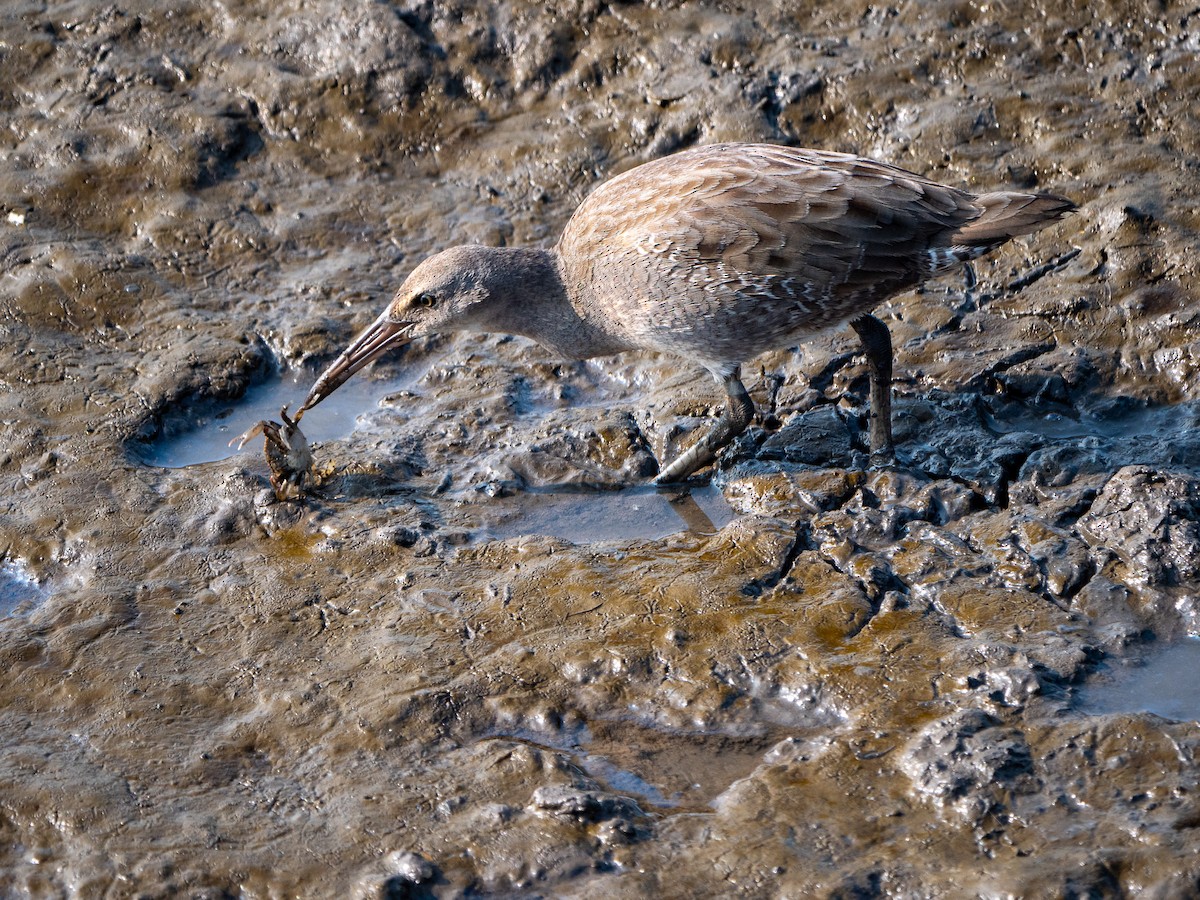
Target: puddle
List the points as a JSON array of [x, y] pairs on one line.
[[1154, 422], [18, 589], [588, 517], [573, 513], [667, 772], [674, 772], [622, 781], [1165, 683], [207, 439]]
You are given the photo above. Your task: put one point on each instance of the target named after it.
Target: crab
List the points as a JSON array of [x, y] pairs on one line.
[[288, 455]]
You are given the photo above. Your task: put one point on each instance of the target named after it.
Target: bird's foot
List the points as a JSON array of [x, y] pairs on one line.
[[883, 457], [734, 419], [685, 465]]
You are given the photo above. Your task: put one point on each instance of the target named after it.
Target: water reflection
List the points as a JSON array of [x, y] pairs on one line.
[[1124, 422], [667, 771], [575, 513], [17, 589], [595, 516], [1163, 683], [206, 439]]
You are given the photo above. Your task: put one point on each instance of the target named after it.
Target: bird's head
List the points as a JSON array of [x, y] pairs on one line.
[[447, 292]]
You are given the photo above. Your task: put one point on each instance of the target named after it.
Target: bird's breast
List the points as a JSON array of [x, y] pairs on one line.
[[658, 298]]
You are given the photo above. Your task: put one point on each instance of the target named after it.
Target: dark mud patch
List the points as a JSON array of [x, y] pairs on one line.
[[1162, 682]]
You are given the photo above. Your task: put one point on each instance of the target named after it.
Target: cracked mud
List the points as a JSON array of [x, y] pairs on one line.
[[476, 661]]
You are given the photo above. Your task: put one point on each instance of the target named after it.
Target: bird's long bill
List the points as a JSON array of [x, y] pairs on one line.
[[380, 336]]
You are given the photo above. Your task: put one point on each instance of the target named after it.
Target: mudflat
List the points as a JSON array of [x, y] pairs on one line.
[[479, 656]]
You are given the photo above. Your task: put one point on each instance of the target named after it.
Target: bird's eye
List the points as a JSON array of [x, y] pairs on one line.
[[426, 300]]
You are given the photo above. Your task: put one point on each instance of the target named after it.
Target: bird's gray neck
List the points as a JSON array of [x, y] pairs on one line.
[[529, 297]]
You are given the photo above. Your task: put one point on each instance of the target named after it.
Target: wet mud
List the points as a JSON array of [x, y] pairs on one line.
[[480, 657]]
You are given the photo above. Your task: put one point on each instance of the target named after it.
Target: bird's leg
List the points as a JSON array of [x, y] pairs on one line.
[[734, 418], [774, 382], [970, 280], [877, 344]]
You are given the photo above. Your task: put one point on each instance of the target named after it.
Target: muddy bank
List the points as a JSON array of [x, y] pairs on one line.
[[444, 673]]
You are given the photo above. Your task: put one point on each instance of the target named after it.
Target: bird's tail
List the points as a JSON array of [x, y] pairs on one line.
[[1007, 215]]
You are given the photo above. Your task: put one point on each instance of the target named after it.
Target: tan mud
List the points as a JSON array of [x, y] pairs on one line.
[[863, 684]]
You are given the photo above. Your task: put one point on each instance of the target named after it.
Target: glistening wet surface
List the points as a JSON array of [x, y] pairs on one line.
[[676, 773], [1123, 422], [1164, 682], [584, 516], [663, 771], [214, 681], [573, 513], [207, 438], [18, 589]]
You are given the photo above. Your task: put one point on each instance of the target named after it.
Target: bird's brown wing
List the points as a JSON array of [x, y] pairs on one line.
[[844, 231]]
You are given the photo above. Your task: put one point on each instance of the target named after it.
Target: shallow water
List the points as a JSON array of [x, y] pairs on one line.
[[679, 773], [662, 771], [570, 512], [17, 589], [1142, 422], [208, 438], [1164, 682], [587, 517]]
